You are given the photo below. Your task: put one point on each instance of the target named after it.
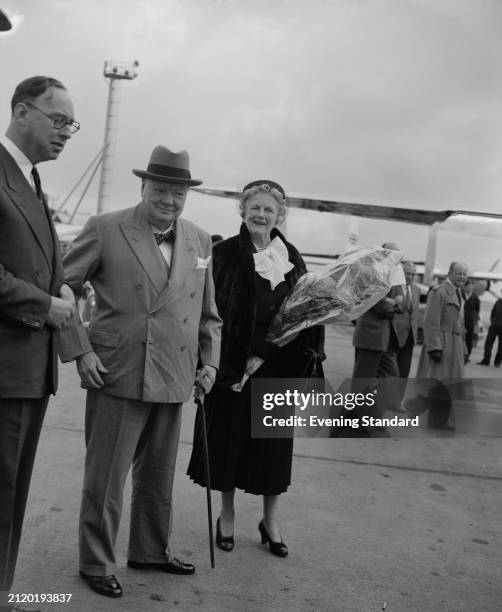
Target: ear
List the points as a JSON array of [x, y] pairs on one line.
[[20, 113]]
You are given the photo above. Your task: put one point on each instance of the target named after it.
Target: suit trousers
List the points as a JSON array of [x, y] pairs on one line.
[[20, 424], [404, 356], [368, 366], [119, 433]]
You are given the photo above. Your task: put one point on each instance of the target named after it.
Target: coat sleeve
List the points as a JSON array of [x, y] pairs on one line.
[[82, 260], [433, 339], [79, 265], [210, 323], [22, 301]]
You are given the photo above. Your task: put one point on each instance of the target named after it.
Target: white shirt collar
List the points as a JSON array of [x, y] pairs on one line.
[[19, 157]]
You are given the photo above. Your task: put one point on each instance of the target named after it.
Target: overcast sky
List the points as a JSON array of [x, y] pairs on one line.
[[385, 101]]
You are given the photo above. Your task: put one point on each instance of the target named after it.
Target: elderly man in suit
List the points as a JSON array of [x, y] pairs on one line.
[[405, 322], [155, 322], [34, 302]]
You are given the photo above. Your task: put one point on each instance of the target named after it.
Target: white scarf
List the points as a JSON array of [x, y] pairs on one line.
[[272, 263]]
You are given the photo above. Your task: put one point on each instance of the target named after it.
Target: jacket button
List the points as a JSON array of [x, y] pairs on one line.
[[182, 348], [38, 273], [185, 320], [143, 343], [192, 294], [139, 286]]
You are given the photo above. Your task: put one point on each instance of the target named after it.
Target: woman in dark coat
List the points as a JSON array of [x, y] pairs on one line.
[[253, 273]]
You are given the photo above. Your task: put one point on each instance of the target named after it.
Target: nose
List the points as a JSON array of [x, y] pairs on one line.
[[65, 132], [168, 198]]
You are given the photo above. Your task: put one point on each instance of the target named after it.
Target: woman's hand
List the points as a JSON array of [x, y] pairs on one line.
[[253, 363]]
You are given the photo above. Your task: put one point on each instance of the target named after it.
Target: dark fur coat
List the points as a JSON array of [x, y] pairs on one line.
[[233, 270]]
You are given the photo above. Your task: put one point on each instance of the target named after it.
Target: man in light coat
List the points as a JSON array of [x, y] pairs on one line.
[[155, 323], [443, 351]]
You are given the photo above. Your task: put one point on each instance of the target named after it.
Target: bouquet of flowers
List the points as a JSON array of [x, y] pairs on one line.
[[341, 291]]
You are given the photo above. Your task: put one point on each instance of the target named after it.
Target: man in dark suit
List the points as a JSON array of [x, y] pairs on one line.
[[155, 319], [376, 343], [494, 331], [34, 302], [472, 307]]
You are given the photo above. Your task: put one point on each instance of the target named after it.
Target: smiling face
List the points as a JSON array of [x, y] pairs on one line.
[[163, 203], [39, 139], [458, 274], [261, 213]]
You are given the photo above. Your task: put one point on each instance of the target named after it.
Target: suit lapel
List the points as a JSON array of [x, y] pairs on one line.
[[25, 199], [140, 237], [183, 260]]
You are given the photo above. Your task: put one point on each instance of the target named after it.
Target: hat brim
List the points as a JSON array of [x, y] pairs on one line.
[[162, 178]]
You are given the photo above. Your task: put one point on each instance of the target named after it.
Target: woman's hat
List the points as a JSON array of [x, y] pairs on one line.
[[168, 167], [271, 184]]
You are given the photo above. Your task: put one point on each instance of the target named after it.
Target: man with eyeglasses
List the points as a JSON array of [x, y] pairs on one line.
[[34, 301]]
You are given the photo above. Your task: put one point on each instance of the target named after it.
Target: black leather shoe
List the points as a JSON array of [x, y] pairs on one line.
[[104, 585], [175, 566], [276, 548], [226, 543], [484, 362]]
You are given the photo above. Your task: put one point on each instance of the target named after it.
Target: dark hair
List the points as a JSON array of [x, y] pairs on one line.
[[31, 88]]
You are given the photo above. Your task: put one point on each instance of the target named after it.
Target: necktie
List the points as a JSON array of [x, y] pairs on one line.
[[37, 182], [408, 298], [168, 236]]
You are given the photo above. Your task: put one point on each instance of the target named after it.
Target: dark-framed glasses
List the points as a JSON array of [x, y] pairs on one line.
[[58, 121]]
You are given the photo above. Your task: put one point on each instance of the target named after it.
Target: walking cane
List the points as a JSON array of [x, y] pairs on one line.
[[199, 401]]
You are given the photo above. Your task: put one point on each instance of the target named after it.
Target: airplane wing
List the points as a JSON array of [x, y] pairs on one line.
[[369, 211], [460, 221], [453, 220]]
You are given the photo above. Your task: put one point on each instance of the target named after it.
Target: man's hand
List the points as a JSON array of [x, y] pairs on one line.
[[204, 379], [90, 368], [66, 294], [436, 355], [60, 312]]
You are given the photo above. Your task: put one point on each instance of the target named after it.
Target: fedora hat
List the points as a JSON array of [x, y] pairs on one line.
[[168, 167]]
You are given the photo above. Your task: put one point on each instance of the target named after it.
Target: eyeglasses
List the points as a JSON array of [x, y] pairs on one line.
[[58, 121]]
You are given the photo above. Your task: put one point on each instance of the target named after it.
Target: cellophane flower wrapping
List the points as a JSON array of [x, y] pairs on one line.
[[341, 291]]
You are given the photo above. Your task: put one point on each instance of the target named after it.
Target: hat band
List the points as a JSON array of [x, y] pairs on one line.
[[168, 171]]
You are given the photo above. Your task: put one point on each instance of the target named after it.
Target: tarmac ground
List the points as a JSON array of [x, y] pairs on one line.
[[400, 524]]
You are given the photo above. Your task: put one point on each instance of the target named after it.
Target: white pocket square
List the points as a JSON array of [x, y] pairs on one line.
[[202, 263]]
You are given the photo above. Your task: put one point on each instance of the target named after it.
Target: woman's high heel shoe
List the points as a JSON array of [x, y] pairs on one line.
[[276, 548], [226, 543]]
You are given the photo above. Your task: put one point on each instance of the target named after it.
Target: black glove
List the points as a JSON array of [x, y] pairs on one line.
[[436, 355]]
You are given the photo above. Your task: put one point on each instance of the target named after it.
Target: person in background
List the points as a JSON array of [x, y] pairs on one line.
[[253, 273], [376, 344], [472, 306], [405, 322], [443, 351], [494, 331]]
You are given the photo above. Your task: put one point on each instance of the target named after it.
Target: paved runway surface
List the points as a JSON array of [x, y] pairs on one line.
[[395, 524]]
